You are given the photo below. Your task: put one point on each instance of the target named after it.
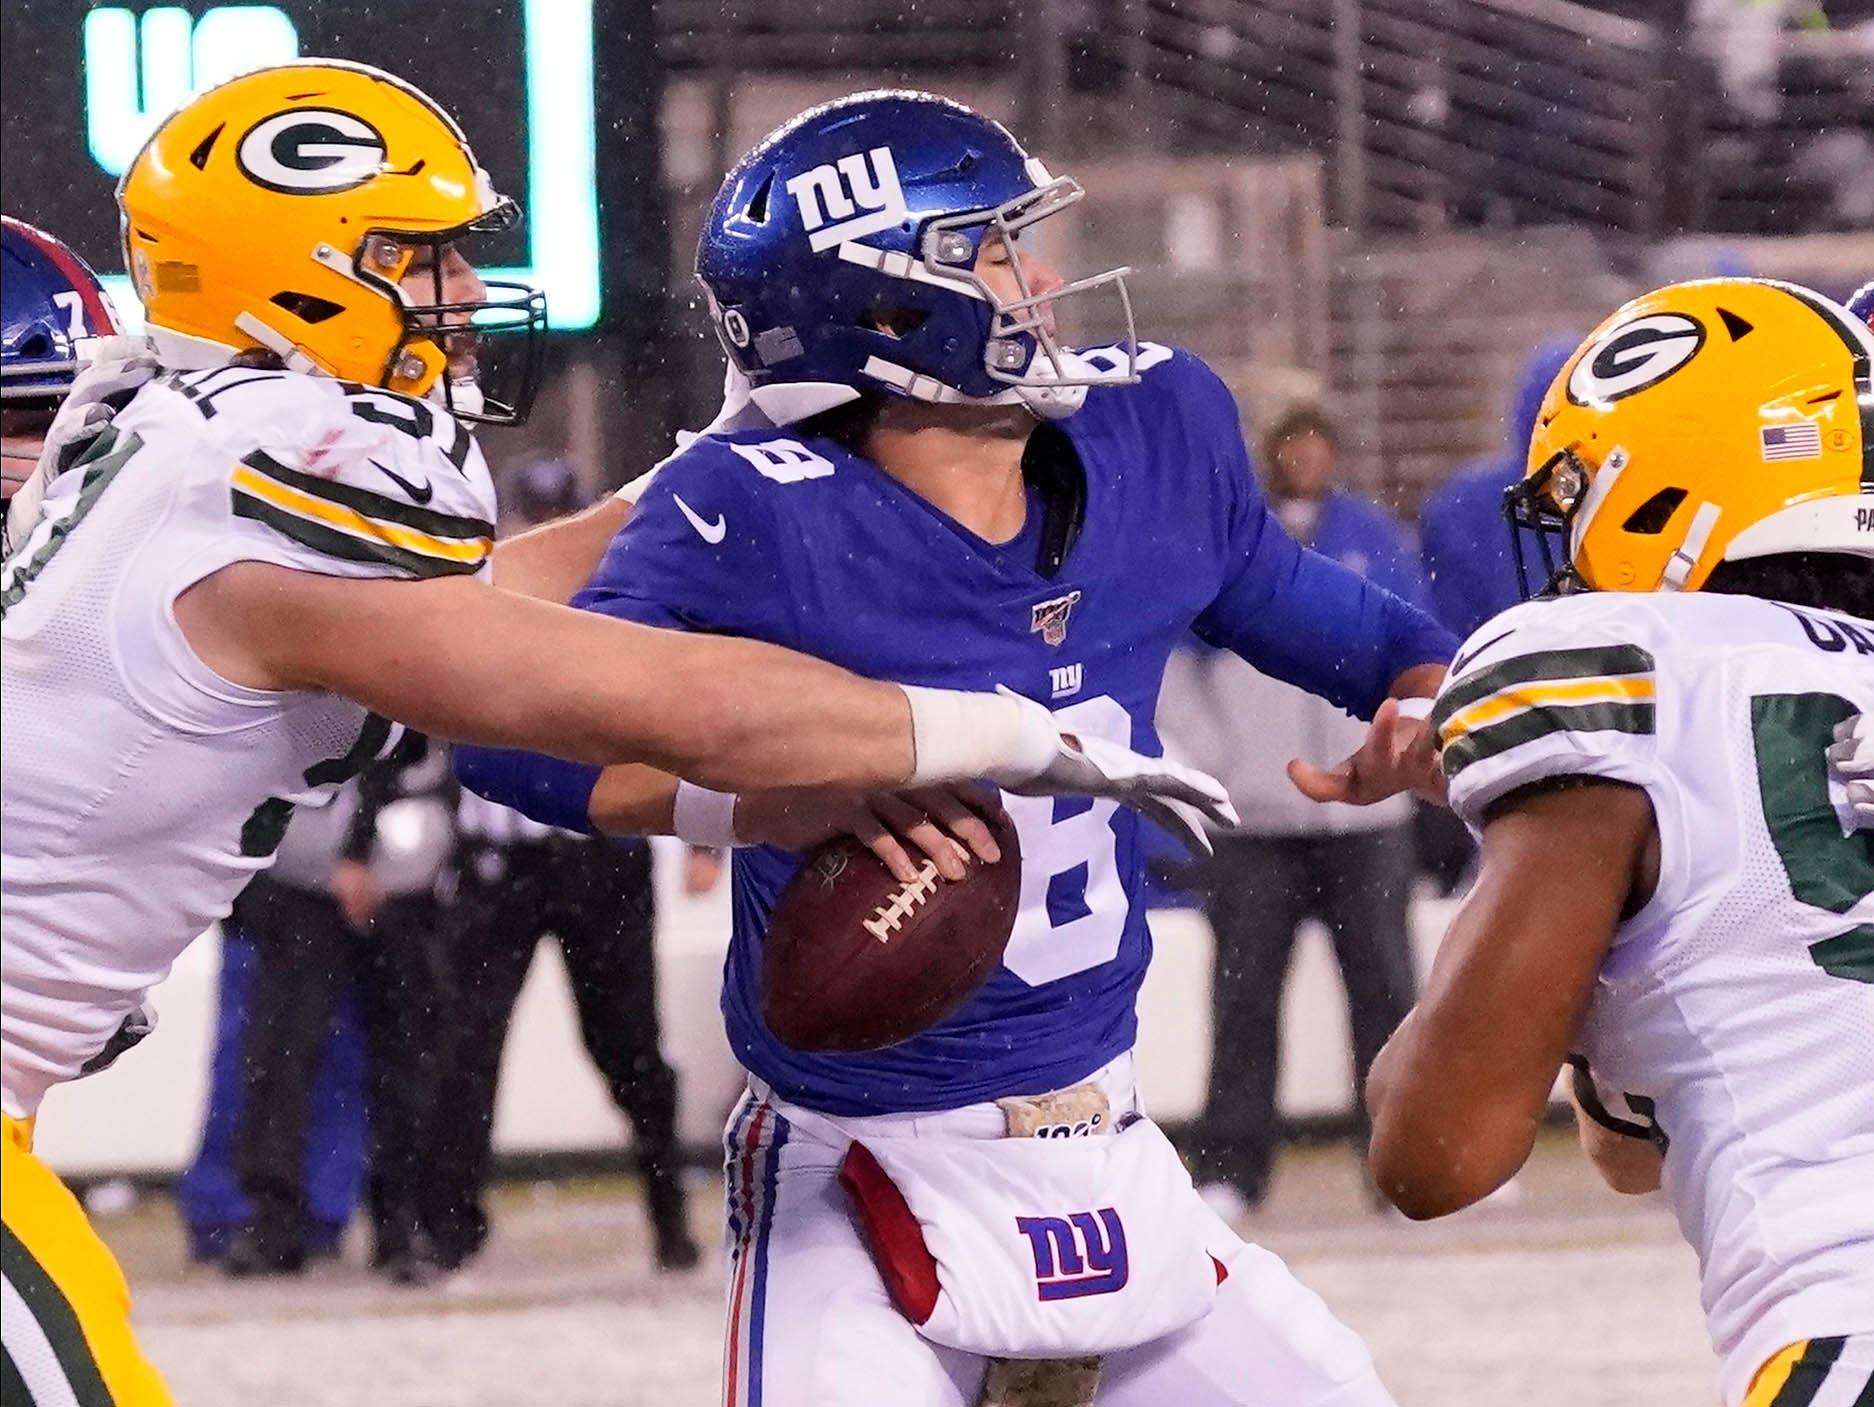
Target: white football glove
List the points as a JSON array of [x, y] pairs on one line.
[[119, 367], [1181, 799], [1852, 757]]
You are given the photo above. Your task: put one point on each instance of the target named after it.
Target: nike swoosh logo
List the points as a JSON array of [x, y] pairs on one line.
[[419, 493], [1462, 662], [712, 533]]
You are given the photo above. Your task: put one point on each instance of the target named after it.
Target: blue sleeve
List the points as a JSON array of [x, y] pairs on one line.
[[1294, 614], [700, 551], [719, 571], [549, 790]]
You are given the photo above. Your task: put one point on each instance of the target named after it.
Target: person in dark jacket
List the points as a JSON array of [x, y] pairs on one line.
[[208, 1194], [515, 882], [325, 924]]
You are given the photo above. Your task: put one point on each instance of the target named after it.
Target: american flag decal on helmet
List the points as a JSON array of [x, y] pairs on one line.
[[1800, 440], [1050, 618]]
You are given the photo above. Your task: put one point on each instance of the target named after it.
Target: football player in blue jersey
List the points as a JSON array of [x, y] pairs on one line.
[[946, 491], [1861, 303], [54, 316]]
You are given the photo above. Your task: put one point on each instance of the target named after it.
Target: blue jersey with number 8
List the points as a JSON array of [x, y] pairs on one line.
[[800, 543]]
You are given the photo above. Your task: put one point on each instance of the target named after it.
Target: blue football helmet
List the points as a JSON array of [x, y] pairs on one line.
[[840, 253], [51, 306], [1861, 303]]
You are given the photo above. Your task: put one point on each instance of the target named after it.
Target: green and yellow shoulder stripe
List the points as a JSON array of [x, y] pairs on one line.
[[342, 520], [1593, 689]]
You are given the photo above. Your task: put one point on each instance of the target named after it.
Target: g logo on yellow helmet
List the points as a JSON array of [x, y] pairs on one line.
[[311, 151], [1633, 356]]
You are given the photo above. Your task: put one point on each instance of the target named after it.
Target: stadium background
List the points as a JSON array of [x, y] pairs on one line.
[[1384, 203]]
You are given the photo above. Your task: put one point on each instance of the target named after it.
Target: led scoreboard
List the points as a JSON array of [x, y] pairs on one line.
[[85, 86]]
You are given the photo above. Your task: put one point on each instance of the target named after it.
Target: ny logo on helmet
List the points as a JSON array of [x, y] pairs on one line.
[[858, 194], [311, 151]]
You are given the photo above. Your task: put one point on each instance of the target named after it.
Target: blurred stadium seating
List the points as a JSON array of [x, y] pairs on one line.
[[1389, 198]]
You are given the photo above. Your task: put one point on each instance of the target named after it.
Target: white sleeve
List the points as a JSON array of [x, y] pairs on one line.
[[361, 483], [301, 472], [1549, 689]]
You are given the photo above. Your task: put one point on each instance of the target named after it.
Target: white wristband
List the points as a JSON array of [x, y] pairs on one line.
[[960, 735], [703, 817]]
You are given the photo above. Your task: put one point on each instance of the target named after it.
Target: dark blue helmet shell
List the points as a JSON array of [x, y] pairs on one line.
[[1861, 303], [50, 303], [840, 251]]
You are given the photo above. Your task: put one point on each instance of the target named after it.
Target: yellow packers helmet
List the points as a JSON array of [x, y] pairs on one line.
[[280, 211], [1708, 422]]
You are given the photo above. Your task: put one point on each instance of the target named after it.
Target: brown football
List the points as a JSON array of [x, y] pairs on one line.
[[856, 960]]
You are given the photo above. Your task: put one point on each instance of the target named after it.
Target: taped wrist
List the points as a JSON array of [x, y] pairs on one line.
[[959, 735]]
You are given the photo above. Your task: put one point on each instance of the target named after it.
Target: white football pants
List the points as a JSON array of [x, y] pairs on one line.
[[811, 1325]]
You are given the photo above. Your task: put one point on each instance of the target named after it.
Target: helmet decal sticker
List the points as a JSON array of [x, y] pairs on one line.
[[1633, 356], [311, 151], [858, 194]]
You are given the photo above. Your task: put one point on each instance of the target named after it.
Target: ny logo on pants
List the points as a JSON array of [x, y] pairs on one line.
[[1083, 1253]]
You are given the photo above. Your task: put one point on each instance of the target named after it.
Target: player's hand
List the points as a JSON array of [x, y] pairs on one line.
[[1852, 757], [121, 368], [1179, 798], [355, 889], [945, 825], [1396, 755]]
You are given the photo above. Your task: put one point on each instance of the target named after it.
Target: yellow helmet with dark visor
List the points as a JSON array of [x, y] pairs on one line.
[[1707, 422], [283, 211]]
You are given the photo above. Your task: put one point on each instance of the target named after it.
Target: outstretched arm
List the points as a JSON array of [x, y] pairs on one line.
[[455, 658], [1458, 1093], [459, 659]]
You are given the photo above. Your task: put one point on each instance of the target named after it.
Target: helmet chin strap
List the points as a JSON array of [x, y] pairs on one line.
[[291, 356], [1047, 402], [1685, 560]]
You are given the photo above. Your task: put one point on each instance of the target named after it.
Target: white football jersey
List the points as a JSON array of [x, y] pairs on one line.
[[142, 790], [1735, 1012]]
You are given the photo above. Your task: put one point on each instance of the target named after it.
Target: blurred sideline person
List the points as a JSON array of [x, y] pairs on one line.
[[325, 536], [336, 917], [518, 882], [515, 882], [1291, 859], [958, 493], [1471, 570], [215, 1211], [1468, 560], [1672, 899]]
